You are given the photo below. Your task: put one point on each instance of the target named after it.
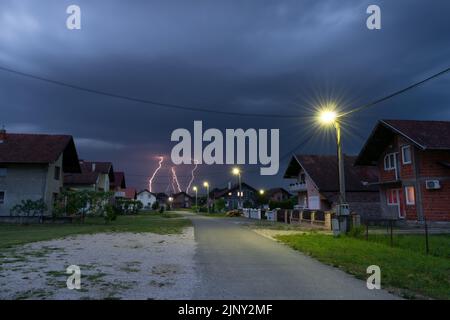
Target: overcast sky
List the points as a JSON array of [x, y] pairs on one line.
[[282, 57]]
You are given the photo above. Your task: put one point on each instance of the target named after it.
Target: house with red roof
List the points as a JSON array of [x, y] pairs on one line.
[[317, 184], [32, 167], [413, 161], [94, 176]]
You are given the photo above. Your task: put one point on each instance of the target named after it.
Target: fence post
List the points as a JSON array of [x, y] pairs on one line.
[[300, 216], [313, 217], [426, 236], [328, 220]]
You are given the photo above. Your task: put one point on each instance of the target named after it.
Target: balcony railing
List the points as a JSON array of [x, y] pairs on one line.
[[297, 186]]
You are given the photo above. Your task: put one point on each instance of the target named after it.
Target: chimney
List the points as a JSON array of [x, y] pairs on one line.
[[2, 134], [93, 167]]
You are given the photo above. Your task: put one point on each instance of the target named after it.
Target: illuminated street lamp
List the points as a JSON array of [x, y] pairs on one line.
[[330, 117], [170, 202], [261, 192], [237, 172], [206, 185], [196, 204]]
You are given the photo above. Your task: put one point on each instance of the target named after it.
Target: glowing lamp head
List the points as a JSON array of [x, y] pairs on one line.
[[206, 184], [327, 117], [236, 171], [170, 199], [194, 188], [261, 192]]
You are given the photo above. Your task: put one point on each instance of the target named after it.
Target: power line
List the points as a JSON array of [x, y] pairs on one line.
[[145, 101], [395, 93]]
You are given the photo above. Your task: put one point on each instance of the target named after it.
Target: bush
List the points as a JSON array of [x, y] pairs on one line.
[[287, 204], [161, 209], [356, 232], [29, 208], [219, 205], [110, 213], [155, 205], [203, 209], [127, 206]]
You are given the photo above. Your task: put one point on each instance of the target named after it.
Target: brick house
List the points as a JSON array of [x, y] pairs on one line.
[[277, 194], [317, 184], [32, 166], [413, 160], [232, 197], [94, 176], [181, 200]]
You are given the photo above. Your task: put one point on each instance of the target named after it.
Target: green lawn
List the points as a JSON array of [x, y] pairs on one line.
[[405, 270], [165, 223]]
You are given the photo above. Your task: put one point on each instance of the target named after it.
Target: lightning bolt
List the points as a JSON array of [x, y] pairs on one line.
[[192, 176], [175, 179], [161, 159]]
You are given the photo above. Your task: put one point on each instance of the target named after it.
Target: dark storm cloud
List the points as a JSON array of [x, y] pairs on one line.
[[248, 56]]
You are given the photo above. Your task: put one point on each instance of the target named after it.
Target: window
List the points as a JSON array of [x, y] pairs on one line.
[[57, 172], [2, 197], [410, 195], [3, 172], [389, 161], [392, 197], [406, 154]]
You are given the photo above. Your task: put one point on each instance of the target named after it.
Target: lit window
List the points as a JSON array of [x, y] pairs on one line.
[[389, 161], [406, 154], [392, 197], [2, 197], [410, 196]]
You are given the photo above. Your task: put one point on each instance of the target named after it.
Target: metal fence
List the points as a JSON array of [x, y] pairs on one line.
[[421, 237]]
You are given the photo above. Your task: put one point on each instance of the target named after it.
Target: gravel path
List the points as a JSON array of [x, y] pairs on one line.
[[113, 266]]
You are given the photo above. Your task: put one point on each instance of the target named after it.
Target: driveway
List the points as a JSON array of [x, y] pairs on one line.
[[233, 262]]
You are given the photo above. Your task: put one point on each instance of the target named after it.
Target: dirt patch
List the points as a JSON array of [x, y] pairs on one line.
[[113, 266]]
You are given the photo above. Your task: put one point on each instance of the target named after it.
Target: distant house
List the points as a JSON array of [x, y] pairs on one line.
[[317, 184], [94, 176], [146, 197], [181, 200], [413, 161], [119, 181], [162, 198], [32, 166], [129, 193], [277, 194], [233, 198]]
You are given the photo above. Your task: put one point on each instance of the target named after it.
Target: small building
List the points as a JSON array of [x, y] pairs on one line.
[[278, 194], [32, 167], [147, 198], [181, 200], [94, 176], [317, 184], [413, 161], [162, 199], [234, 197]]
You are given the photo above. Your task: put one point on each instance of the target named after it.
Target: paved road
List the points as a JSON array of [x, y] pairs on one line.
[[237, 263]]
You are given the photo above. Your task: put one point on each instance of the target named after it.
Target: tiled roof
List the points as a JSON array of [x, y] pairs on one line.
[[323, 170], [39, 149], [89, 173], [426, 134], [119, 180]]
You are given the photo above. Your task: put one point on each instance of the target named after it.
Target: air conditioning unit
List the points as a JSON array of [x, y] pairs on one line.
[[432, 184]]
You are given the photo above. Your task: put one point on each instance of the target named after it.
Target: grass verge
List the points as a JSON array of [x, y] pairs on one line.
[[165, 223], [407, 272]]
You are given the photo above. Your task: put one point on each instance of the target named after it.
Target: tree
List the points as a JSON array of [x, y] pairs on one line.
[[29, 208]]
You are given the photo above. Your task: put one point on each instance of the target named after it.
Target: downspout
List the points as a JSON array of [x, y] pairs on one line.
[[417, 187]]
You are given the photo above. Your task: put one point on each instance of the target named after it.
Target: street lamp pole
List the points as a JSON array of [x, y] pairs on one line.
[[206, 185], [196, 203], [237, 171], [340, 163]]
